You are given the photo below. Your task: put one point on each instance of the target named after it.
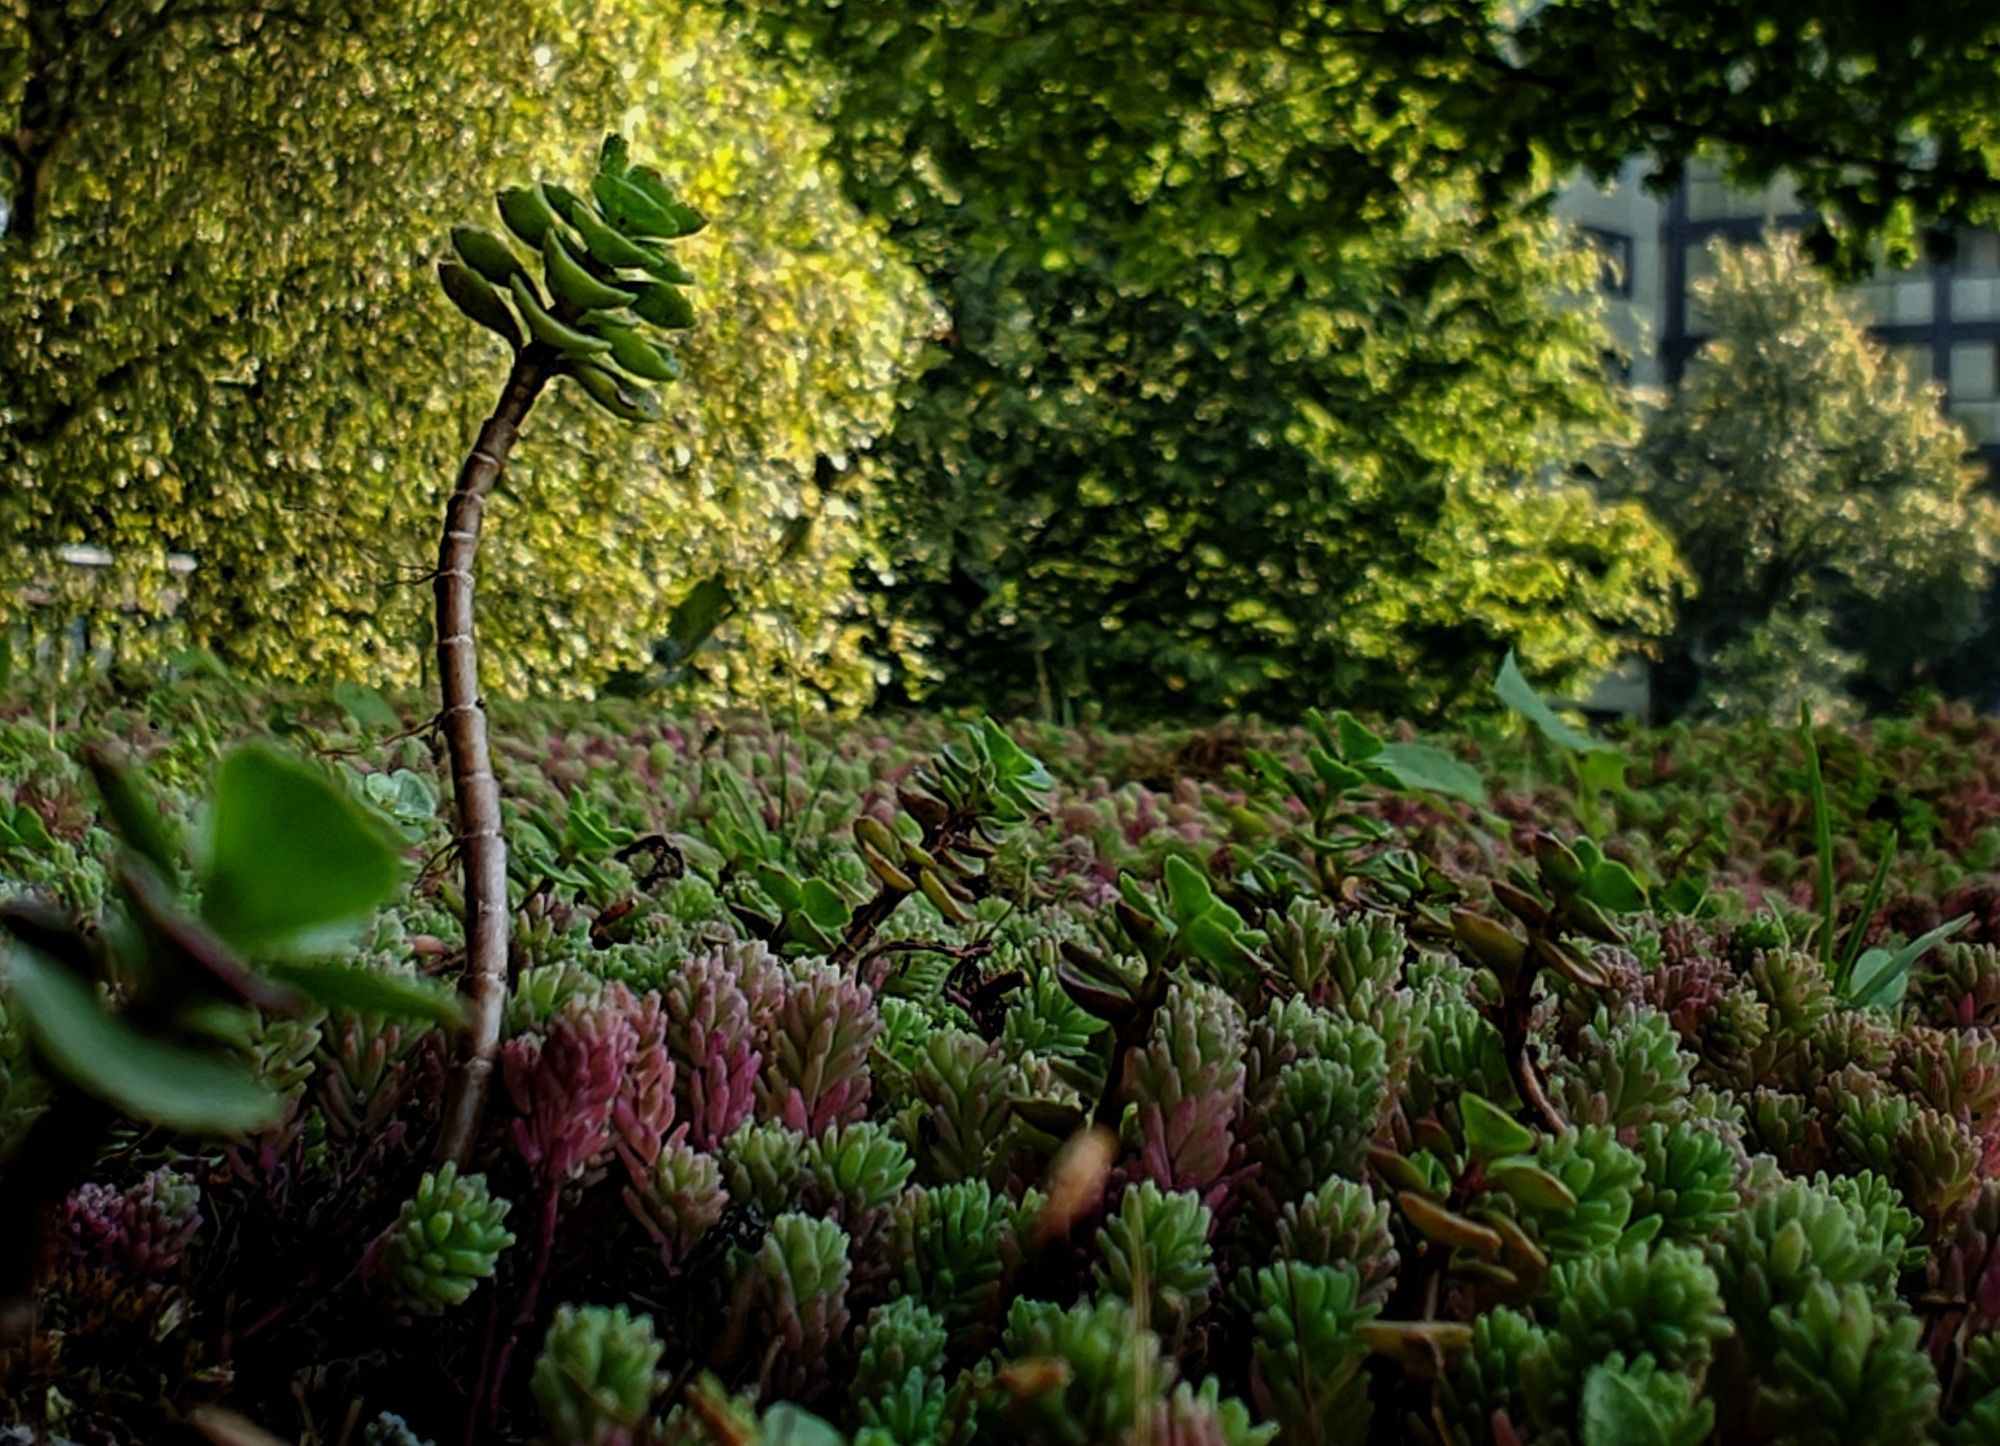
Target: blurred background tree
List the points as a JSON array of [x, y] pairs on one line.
[[1362, 491], [1824, 507], [221, 336], [1254, 397], [1261, 375], [1269, 382]]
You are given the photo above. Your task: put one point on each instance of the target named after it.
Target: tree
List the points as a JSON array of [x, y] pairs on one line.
[[1253, 397], [1252, 116], [223, 340], [1184, 502], [1124, 206], [1825, 508], [65, 61]]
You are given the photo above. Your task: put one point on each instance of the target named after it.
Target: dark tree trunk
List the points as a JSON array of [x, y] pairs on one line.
[[31, 185]]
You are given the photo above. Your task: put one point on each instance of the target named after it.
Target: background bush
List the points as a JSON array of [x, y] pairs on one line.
[[226, 339]]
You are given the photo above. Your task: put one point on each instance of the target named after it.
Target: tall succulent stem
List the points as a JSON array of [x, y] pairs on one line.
[[482, 847]]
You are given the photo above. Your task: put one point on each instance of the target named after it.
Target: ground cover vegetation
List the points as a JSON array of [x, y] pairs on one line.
[[917, 1081]]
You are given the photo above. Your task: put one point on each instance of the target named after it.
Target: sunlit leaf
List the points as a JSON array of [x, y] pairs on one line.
[[1518, 694], [1421, 765], [292, 858]]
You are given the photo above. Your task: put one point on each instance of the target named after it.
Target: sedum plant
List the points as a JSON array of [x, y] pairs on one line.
[[1163, 1141], [447, 1240], [597, 1374]]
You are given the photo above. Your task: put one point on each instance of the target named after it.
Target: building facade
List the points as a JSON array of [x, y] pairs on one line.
[[1943, 316]]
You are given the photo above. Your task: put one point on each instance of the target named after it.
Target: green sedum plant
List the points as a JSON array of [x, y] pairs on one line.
[[447, 1240], [596, 1375]]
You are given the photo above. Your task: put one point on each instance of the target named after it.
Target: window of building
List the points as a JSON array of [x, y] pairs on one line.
[[1974, 371], [1975, 297], [1978, 254], [1981, 420]]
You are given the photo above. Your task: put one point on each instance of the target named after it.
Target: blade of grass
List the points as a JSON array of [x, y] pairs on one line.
[[1857, 932], [1822, 834]]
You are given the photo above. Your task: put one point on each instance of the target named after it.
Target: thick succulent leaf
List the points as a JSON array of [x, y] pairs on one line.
[[1491, 1132]]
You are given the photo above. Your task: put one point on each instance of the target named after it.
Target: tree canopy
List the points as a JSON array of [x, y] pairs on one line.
[[1261, 115], [1261, 375], [222, 336], [1257, 395], [1265, 376], [1825, 508], [1361, 491]]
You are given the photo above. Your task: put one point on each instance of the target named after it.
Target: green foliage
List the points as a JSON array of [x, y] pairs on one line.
[[1306, 1352], [1485, 1379], [953, 1242], [148, 1078], [1660, 1302], [591, 316], [1105, 1359], [223, 340], [1217, 492], [1788, 1240], [1447, 89], [597, 1374], [1260, 383], [291, 862], [1628, 1071], [1054, 1175], [447, 1239], [1814, 492], [1690, 1181], [1343, 1224], [1518, 694], [1846, 1370], [899, 1385], [762, 1163], [288, 857], [1155, 1249], [1601, 1174], [797, 1286], [1641, 1404], [861, 1166]]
